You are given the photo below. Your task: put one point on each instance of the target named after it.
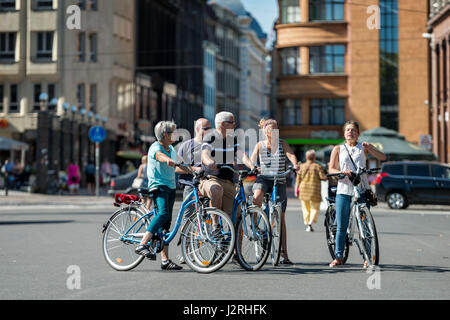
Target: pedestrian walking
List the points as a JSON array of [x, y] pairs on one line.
[[90, 177], [142, 179], [73, 178], [308, 189], [344, 159]]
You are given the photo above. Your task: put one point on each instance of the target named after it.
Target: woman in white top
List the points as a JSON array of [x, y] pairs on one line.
[[340, 162]]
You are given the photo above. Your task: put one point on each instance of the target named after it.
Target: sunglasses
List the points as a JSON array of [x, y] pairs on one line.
[[206, 129]]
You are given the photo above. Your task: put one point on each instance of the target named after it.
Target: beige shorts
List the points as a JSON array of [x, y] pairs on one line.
[[229, 191]]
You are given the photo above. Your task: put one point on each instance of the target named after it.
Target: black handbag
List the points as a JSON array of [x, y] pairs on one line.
[[371, 197]]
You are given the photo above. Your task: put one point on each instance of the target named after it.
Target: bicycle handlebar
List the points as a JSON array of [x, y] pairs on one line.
[[355, 174]]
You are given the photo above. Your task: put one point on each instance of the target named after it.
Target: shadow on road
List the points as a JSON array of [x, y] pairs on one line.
[[3, 223], [412, 268]]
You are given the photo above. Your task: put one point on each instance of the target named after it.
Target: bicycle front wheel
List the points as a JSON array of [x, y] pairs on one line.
[[330, 224], [208, 242], [122, 234], [369, 238], [253, 240], [275, 225]]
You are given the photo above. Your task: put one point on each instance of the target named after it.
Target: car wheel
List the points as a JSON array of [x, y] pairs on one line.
[[396, 200]]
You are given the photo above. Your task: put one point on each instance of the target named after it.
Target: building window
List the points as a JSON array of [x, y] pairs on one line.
[[2, 96], [81, 47], [93, 98], [290, 11], [81, 95], [44, 46], [327, 59], [326, 10], [93, 47], [37, 90], [7, 5], [292, 112], [93, 5], [13, 99], [327, 111], [389, 64], [82, 4], [290, 61], [7, 46], [43, 4]]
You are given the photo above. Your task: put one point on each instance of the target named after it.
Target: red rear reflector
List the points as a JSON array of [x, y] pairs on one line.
[[112, 183]]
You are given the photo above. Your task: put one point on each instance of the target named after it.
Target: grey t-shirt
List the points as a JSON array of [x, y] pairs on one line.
[[191, 153]]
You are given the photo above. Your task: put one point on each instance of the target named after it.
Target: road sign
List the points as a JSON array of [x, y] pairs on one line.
[[97, 134]]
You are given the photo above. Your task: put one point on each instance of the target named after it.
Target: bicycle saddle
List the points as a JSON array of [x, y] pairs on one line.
[[148, 192]]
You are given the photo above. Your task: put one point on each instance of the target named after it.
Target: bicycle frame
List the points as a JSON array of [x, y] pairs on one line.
[[168, 237]]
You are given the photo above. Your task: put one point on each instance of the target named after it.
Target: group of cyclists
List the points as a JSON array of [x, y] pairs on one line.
[[212, 147]]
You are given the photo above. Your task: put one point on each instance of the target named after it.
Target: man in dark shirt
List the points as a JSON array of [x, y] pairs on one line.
[[220, 147]]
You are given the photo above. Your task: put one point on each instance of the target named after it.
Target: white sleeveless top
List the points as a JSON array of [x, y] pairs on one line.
[[357, 152]]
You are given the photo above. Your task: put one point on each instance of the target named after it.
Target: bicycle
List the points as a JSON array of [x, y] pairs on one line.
[[254, 236], [273, 209], [360, 215], [205, 250]]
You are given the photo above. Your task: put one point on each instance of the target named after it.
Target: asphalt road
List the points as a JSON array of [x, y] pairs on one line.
[[44, 249]]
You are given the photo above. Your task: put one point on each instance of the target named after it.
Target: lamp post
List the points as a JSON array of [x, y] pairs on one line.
[[42, 144], [73, 110]]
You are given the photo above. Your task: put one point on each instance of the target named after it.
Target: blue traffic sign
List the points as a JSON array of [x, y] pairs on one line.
[[97, 134]]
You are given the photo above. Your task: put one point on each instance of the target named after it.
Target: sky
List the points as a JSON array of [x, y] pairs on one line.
[[265, 11]]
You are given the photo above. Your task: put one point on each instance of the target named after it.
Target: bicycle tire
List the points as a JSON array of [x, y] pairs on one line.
[[121, 256], [370, 241], [330, 232], [253, 248], [275, 225], [200, 254]]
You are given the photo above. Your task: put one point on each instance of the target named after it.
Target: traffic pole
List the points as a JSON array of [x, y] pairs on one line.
[[97, 169]]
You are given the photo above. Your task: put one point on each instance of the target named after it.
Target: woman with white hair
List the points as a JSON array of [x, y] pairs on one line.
[[162, 158], [307, 189]]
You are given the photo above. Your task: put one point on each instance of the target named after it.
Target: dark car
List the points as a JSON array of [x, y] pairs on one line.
[[413, 182], [122, 184]]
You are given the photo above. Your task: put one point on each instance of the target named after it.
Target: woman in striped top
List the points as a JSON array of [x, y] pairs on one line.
[[271, 155]]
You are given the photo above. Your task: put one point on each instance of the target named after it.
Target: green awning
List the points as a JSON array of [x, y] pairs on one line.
[[395, 146]]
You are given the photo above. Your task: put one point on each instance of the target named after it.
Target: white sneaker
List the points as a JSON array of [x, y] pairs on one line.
[[308, 229]]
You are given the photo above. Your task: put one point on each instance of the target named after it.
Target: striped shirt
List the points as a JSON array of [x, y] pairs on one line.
[[272, 163]]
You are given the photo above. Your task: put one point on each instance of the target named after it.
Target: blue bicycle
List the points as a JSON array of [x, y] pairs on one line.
[[207, 236], [273, 208], [253, 233]]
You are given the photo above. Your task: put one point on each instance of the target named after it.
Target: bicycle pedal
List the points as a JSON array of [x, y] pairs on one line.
[[151, 256]]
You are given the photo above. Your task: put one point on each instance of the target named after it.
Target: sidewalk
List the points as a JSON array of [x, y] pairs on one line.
[[18, 198]]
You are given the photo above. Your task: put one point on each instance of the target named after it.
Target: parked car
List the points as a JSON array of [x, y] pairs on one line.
[[413, 182], [122, 184]]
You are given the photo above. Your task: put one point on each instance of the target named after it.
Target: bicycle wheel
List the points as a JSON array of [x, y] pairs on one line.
[[330, 224], [118, 244], [206, 250], [254, 237], [275, 224], [370, 239]]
